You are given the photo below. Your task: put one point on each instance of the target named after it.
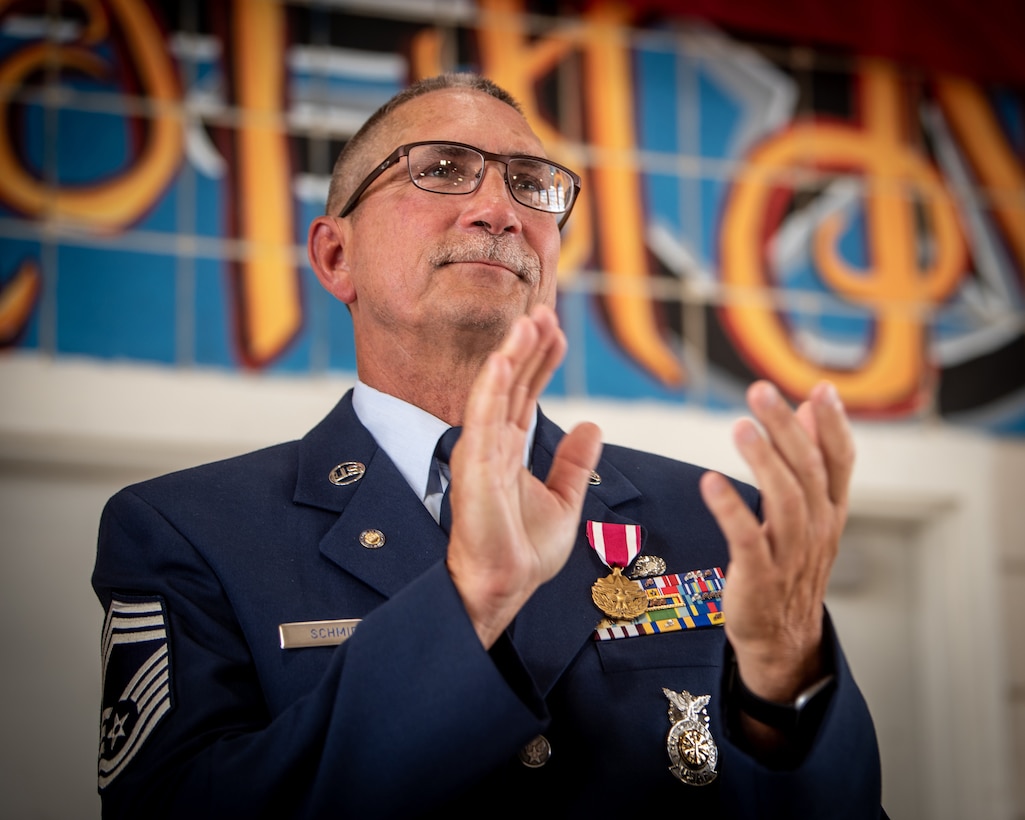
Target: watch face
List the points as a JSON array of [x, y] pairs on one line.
[[809, 694]]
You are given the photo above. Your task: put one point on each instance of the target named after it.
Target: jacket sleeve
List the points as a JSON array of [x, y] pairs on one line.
[[837, 773], [410, 698]]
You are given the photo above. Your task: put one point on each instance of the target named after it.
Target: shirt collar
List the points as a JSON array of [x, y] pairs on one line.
[[408, 434]]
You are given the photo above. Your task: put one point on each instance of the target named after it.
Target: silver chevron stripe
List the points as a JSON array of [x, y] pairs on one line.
[[146, 696]]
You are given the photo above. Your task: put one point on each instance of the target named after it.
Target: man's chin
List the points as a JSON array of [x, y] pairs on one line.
[[487, 316]]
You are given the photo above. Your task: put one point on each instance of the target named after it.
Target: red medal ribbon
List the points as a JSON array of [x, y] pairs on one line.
[[616, 544]]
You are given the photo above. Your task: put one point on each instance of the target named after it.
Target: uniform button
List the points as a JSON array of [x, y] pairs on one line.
[[536, 753], [371, 539]]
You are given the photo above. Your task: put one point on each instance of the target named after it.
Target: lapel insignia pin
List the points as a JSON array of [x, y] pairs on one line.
[[689, 743], [348, 472], [371, 539]]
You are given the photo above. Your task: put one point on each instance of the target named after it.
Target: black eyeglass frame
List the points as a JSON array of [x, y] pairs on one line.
[[403, 151]]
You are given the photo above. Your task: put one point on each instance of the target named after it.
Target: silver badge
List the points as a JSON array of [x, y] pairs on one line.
[[647, 566], [348, 472], [689, 743]]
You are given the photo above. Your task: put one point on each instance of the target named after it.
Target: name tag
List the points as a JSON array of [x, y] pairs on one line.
[[316, 633]]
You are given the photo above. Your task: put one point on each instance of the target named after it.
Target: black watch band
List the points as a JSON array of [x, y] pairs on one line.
[[783, 716]]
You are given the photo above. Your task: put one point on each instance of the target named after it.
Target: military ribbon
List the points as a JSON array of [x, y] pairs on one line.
[[617, 545]]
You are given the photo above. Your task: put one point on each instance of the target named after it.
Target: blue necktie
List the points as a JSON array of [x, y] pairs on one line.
[[443, 452]]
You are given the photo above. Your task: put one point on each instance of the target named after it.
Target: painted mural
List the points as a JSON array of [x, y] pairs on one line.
[[750, 209]]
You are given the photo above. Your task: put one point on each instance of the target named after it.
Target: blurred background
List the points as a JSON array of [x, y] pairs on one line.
[[791, 191]]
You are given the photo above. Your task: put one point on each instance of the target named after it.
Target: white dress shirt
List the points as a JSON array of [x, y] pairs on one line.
[[408, 435]]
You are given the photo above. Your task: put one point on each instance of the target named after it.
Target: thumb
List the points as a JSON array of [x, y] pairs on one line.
[[575, 458]]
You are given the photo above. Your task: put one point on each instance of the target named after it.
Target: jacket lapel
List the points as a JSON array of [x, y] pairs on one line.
[[380, 501]]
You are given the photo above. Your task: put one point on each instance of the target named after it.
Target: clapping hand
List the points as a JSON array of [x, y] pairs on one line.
[[779, 567], [510, 531]]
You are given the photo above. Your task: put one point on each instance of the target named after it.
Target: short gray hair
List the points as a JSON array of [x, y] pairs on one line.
[[349, 166]]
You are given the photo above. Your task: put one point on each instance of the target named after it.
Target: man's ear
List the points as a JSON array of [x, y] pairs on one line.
[[325, 246]]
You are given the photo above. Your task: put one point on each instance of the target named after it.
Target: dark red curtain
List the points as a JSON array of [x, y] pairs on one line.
[[984, 39]]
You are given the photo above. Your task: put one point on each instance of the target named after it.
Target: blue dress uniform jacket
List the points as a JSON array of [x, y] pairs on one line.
[[411, 716]]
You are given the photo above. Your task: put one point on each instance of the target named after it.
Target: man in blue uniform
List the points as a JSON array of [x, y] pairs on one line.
[[317, 630]]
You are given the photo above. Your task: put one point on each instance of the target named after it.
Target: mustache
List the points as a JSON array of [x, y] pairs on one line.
[[488, 248]]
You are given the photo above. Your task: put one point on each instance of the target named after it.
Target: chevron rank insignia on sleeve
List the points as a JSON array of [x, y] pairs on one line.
[[136, 680]]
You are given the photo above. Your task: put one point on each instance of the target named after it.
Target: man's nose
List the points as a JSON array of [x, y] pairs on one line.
[[491, 205]]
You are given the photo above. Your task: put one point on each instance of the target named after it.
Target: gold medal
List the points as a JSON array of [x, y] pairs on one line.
[[617, 545], [619, 597]]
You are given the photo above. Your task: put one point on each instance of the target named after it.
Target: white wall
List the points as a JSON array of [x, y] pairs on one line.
[[931, 573]]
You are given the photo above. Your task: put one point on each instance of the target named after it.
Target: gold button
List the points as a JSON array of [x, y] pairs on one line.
[[372, 539], [595, 478]]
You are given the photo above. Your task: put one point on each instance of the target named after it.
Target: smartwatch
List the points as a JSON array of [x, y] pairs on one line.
[[785, 716]]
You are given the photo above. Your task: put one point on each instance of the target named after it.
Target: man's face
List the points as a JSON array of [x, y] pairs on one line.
[[431, 263]]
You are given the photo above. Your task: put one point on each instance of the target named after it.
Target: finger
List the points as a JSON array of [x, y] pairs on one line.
[[520, 348], [575, 457], [549, 363], [521, 343], [782, 493], [787, 505], [533, 371], [486, 411], [551, 344], [791, 437], [739, 525], [835, 439], [806, 418]]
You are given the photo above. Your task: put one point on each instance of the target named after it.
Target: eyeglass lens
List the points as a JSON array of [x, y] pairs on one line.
[[452, 169]]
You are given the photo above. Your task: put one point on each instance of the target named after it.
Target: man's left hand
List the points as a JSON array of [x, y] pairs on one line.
[[779, 567]]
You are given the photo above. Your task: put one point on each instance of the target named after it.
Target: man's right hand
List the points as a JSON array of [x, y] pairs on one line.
[[510, 531]]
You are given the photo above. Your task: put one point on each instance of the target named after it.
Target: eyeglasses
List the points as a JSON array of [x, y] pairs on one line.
[[456, 168]]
